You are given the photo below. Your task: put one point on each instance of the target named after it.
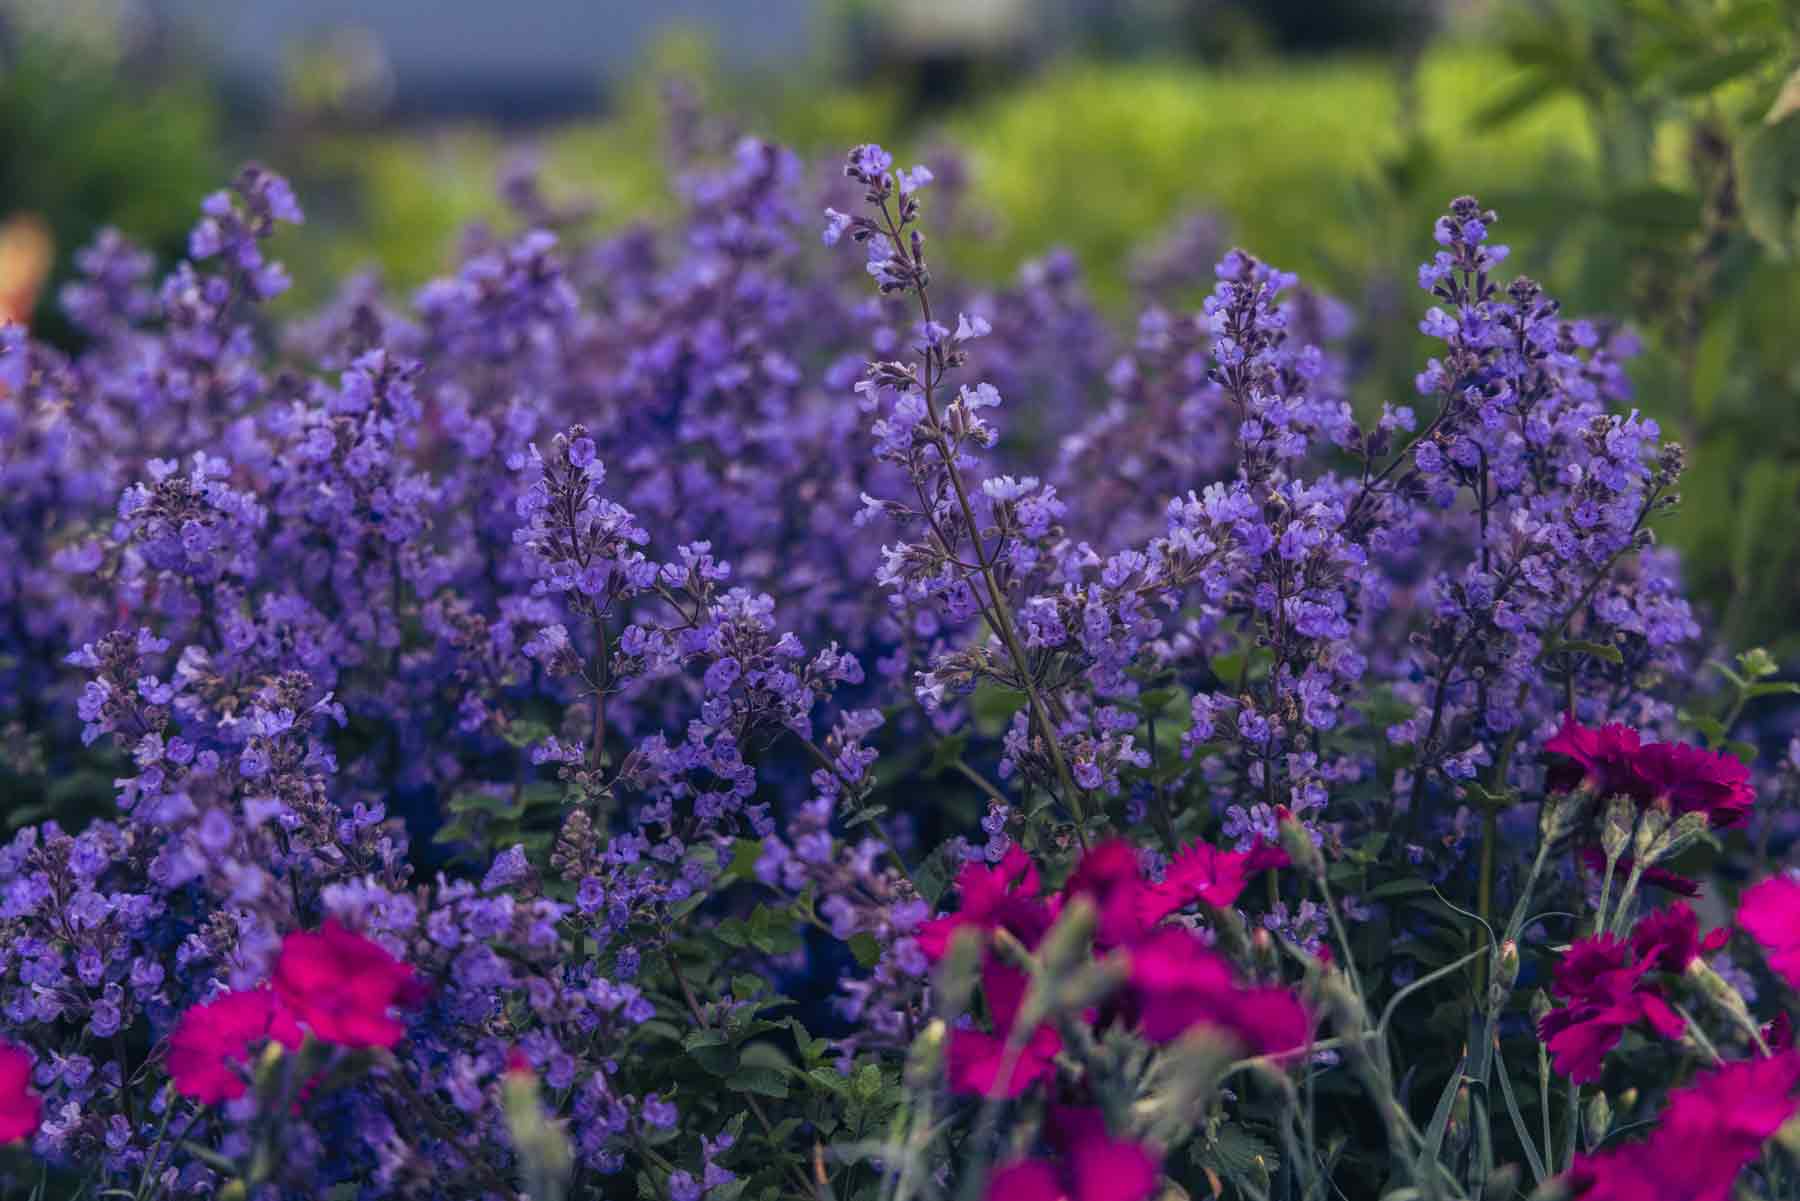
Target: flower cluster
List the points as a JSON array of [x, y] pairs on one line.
[[630, 717]]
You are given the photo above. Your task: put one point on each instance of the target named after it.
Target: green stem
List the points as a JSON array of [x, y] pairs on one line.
[[1484, 898]]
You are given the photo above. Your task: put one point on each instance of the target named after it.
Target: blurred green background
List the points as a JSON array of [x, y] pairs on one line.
[[1644, 156]]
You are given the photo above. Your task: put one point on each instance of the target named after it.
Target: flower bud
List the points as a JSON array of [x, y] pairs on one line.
[[1262, 947], [1347, 1015], [1540, 1007], [958, 973], [1503, 1184], [234, 1190], [1232, 931], [1615, 830], [1069, 944], [926, 1055], [270, 1076], [1090, 984], [1717, 990], [1788, 1137], [1456, 1135], [1505, 975], [1553, 817], [1654, 821], [1297, 841], [1189, 1074], [545, 1157], [1597, 1119], [1685, 832]]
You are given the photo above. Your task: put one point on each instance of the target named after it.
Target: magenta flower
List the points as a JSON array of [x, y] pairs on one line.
[[1130, 907], [1769, 912], [1667, 940], [1003, 897], [213, 1042], [1203, 872], [343, 987], [1612, 761], [1091, 1164], [1696, 781], [20, 1108], [1709, 1132], [1178, 983], [1600, 758], [1603, 982], [979, 1063]]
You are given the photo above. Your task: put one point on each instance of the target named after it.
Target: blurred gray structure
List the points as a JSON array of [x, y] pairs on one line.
[[516, 59]]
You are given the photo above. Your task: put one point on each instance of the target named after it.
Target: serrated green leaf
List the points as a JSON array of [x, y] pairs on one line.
[[866, 949], [760, 1081]]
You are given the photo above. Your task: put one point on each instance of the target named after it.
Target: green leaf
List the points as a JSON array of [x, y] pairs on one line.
[[1154, 702], [1714, 358], [933, 875], [865, 1084], [1769, 171], [1519, 98], [1768, 493], [1595, 650], [829, 1079], [744, 854], [993, 707], [712, 1051], [1711, 70], [760, 1081], [1405, 886], [523, 733], [866, 949], [863, 816], [1655, 208], [1440, 1122], [945, 754]]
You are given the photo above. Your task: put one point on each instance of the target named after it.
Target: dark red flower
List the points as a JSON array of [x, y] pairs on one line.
[[1613, 761], [1667, 940], [1600, 757], [1602, 980], [1178, 983], [1708, 1133], [342, 986], [20, 1108], [1696, 781], [1091, 1164], [1652, 877], [1769, 912], [1108, 876], [1000, 897], [1203, 872], [214, 1041], [978, 1062]]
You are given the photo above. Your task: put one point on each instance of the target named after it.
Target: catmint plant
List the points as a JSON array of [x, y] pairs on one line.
[[631, 719]]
